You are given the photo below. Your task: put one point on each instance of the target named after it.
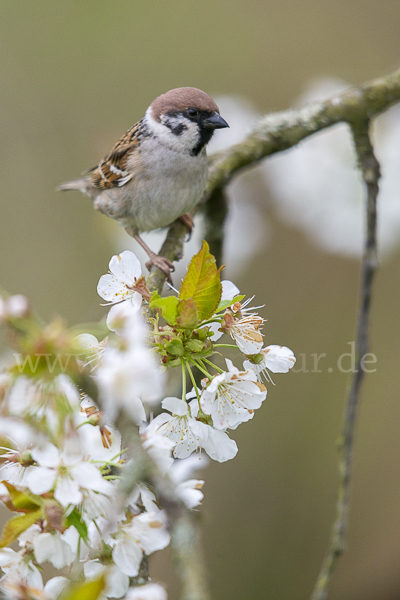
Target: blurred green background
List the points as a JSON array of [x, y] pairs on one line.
[[74, 76]]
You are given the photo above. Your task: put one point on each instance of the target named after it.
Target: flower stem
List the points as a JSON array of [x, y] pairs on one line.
[[201, 368], [225, 346], [183, 380], [212, 365], [211, 321], [194, 383]]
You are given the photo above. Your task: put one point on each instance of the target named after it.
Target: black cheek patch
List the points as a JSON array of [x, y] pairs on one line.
[[179, 129]]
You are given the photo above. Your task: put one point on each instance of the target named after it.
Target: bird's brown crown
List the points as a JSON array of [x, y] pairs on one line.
[[181, 99]]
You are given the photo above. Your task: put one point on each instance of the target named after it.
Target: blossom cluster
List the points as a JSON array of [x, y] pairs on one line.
[[62, 406]]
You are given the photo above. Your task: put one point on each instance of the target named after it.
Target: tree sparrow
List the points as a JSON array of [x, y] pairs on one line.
[[157, 171]]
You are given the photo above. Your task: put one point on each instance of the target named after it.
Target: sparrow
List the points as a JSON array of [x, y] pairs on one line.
[[157, 172]]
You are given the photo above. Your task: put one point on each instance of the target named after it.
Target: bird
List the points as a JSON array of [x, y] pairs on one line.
[[157, 171]]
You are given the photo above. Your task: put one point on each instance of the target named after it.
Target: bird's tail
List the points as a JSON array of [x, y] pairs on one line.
[[83, 185]]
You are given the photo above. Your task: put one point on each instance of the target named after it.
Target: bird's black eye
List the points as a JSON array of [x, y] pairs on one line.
[[193, 112]]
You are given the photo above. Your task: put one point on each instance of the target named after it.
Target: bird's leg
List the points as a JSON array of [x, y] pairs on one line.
[[187, 220], [158, 261]]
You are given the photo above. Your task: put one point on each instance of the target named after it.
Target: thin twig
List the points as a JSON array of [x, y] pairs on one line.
[[369, 167]]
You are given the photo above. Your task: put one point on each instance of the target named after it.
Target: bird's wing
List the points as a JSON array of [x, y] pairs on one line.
[[111, 171]]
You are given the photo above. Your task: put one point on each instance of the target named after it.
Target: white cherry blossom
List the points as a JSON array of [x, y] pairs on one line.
[[19, 568], [117, 582], [189, 435], [53, 547], [231, 397], [119, 317], [246, 333], [277, 359], [146, 533], [190, 492], [66, 472], [119, 284], [158, 447], [127, 378], [93, 348]]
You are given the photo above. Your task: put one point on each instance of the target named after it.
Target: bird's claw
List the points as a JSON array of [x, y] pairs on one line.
[[162, 263], [187, 220]]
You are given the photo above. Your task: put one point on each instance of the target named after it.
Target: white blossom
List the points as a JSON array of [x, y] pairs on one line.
[[146, 533], [55, 586], [117, 582], [54, 548], [231, 397], [94, 349], [19, 568], [277, 359], [190, 492], [66, 472], [189, 434], [16, 306], [246, 333], [119, 284], [159, 448], [127, 378], [119, 317]]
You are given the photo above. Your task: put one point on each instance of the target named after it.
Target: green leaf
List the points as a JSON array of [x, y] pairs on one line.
[[168, 307], [175, 348], [227, 303], [84, 591], [188, 317], [17, 525], [202, 282], [194, 345], [74, 518], [23, 501]]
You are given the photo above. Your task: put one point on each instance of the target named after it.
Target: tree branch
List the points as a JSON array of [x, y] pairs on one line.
[[280, 131], [215, 212], [188, 558], [369, 167]]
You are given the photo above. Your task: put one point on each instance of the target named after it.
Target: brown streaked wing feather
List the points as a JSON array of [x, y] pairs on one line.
[[111, 171]]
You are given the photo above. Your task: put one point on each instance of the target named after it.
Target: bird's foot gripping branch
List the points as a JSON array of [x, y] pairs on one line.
[[95, 482]]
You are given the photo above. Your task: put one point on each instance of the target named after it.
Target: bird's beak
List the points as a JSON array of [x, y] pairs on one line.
[[215, 122]]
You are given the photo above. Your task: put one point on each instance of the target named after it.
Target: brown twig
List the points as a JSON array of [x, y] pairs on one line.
[[369, 167]]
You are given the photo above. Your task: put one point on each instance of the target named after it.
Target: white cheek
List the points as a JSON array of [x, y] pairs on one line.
[[185, 142]]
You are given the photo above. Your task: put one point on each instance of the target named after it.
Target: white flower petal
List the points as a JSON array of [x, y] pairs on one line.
[[278, 359], [149, 529], [150, 591], [119, 314], [88, 476], [67, 491], [127, 555], [55, 586], [229, 290], [219, 446], [40, 479], [190, 492], [175, 406], [51, 547], [126, 266], [46, 456]]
